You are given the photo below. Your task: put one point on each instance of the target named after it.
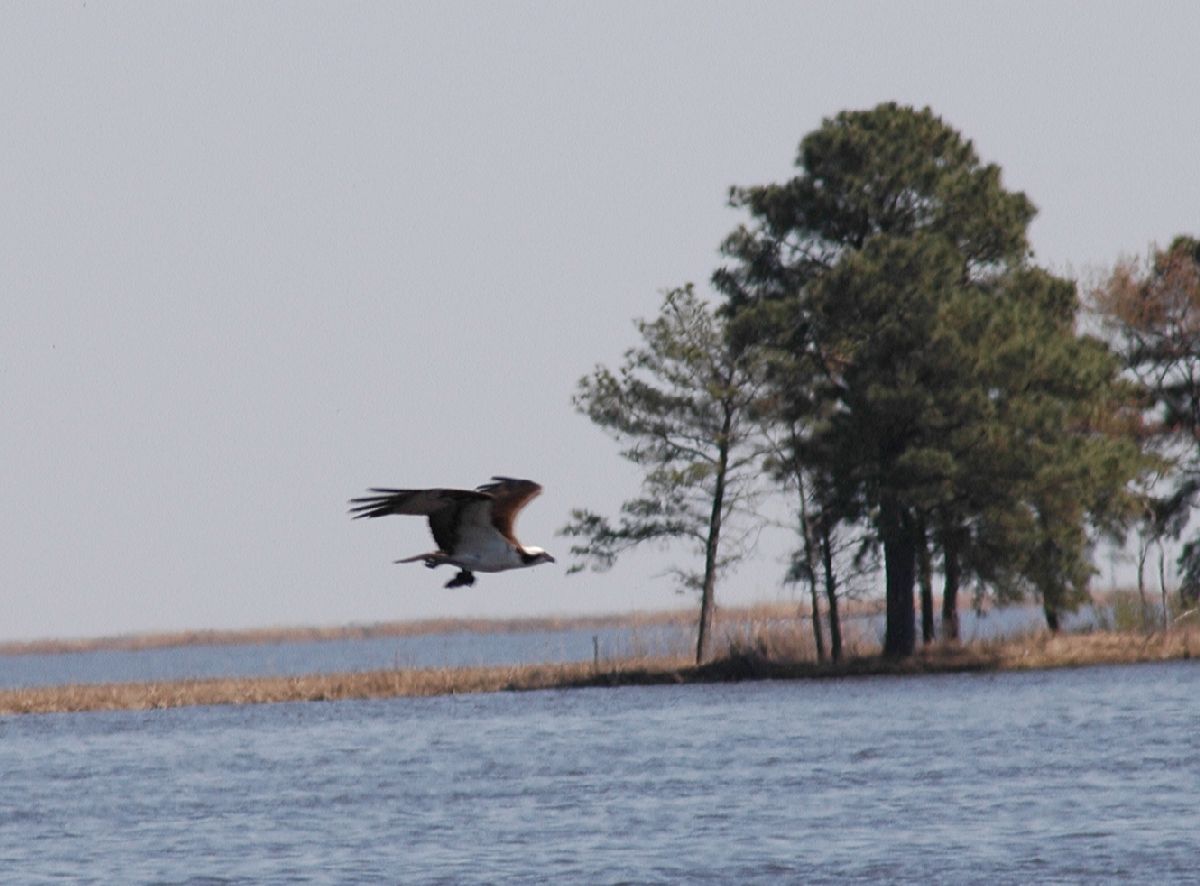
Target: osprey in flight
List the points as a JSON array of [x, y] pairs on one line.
[[473, 528]]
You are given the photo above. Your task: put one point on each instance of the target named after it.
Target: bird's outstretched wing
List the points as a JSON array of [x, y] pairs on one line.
[[416, 502], [443, 507], [508, 496]]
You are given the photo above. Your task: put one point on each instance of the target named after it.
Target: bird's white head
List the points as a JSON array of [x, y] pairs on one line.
[[534, 555]]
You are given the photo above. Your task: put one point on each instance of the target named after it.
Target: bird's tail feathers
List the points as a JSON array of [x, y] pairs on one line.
[[436, 558]]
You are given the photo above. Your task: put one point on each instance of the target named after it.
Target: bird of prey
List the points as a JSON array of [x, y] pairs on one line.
[[473, 528]]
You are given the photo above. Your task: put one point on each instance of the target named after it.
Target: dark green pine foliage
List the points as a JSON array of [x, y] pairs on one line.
[[948, 399], [1043, 457]]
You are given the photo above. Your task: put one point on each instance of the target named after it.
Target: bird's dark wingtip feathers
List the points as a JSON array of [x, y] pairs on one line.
[[371, 505]]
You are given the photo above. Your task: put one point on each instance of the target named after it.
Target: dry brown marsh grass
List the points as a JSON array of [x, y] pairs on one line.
[[316, 687], [755, 660]]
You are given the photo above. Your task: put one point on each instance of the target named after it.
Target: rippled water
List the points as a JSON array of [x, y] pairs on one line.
[[1086, 776]]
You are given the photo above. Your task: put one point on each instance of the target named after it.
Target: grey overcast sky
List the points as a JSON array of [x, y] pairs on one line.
[[256, 257]]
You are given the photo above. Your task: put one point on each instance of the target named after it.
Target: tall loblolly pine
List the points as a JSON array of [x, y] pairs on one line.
[[890, 279]]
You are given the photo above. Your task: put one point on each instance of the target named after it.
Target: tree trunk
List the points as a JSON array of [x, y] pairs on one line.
[[706, 592], [714, 539], [950, 590], [835, 622], [818, 634], [900, 555], [925, 571], [810, 564], [1053, 620], [1143, 552], [1162, 581]]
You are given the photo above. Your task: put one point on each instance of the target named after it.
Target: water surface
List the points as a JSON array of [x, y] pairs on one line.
[[1086, 776]]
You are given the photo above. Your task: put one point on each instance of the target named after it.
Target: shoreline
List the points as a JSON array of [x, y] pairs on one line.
[[277, 635], [135, 642], [1035, 652], [751, 615]]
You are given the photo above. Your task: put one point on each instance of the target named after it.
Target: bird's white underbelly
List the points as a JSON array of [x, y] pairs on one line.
[[480, 564], [492, 558]]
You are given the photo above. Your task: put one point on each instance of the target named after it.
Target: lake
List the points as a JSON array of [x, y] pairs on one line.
[[1078, 776]]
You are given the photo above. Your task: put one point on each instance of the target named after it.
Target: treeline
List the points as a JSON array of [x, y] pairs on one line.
[[888, 355]]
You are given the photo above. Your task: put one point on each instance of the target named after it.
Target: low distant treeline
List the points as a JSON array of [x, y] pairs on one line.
[[739, 616], [255, 636], [888, 357]]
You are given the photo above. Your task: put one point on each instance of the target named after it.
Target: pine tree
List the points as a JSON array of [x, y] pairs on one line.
[[682, 404], [948, 396]]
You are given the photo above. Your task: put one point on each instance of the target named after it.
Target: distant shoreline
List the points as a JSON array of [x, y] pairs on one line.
[[267, 636], [414, 628], [1041, 651]]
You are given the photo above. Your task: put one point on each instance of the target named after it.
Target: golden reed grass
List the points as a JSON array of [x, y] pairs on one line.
[[757, 660], [315, 687]]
